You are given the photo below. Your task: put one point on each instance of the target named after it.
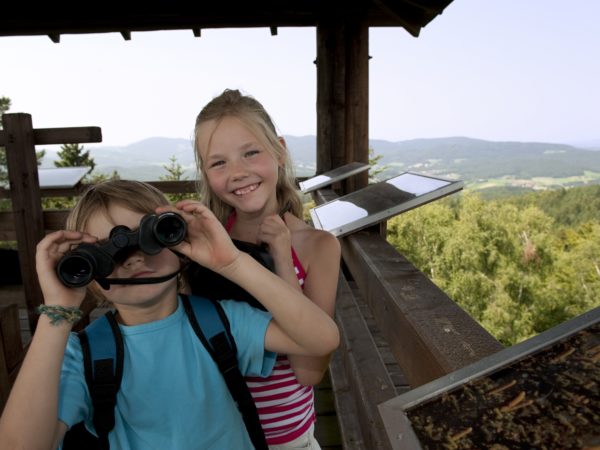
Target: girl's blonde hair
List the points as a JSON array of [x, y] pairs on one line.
[[231, 103], [133, 195]]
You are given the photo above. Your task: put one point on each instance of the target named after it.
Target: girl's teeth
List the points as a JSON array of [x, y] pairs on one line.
[[245, 190]]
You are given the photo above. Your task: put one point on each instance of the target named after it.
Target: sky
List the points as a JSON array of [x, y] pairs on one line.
[[503, 70]]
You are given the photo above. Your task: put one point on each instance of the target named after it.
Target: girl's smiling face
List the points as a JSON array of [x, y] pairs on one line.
[[240, 170]]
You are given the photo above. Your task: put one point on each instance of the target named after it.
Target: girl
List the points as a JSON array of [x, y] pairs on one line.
[[167, 369], [248, 183]]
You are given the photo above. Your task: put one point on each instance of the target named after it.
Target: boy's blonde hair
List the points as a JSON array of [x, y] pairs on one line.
[[133, 195], [231, 103]]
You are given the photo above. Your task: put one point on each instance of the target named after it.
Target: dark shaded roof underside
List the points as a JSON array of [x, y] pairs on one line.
[[105, 18]]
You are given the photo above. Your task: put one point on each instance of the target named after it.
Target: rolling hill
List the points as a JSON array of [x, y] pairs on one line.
[[473, 160]]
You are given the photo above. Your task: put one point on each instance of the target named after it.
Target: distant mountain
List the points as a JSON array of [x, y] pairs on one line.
[[462, 157]]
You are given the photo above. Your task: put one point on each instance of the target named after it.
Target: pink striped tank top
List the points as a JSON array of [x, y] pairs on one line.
[[286, 408]]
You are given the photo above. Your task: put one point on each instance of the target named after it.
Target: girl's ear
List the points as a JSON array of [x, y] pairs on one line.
[[282, 158]]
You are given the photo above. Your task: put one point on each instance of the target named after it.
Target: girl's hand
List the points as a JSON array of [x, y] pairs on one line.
[[206, 242], [48, 252], [274, 232]]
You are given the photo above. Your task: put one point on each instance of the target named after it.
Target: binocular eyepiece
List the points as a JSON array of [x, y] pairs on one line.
[[81, 265]]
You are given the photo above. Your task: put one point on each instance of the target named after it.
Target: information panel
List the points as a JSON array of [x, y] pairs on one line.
[[63, 177], [332, 176], [380, 201]]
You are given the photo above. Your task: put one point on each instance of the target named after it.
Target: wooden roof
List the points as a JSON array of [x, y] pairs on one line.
[[100, 18]]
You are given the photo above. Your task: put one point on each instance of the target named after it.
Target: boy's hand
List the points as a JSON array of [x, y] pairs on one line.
[[206, 242], [48, 252], [274, 232]]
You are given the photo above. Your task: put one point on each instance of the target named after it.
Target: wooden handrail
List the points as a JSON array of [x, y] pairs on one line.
[[429, 334]]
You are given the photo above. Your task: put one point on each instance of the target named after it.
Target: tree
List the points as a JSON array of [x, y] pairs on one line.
[[5, 204], [375, 169], [73, 155], [4, 107], [510, 267], [175, 173]]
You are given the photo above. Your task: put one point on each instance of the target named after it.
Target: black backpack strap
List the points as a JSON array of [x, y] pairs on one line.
[[210, 324], [102, 346]]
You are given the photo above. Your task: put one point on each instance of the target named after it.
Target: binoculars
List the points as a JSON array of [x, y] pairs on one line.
[[86, 262]]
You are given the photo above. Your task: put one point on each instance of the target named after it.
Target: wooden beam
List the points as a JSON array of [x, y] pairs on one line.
[[26, 203], [72, 135]]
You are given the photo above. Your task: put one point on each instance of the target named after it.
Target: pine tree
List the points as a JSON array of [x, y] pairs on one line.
[[175, 173], [73, 155], [4, 107]]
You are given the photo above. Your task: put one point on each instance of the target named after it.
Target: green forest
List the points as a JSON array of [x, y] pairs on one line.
[[519, 265]]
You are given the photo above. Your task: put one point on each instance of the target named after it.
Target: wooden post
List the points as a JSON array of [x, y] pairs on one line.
[[331, 94], [19, 139], [357, 99], [343, 95], [26, 202]]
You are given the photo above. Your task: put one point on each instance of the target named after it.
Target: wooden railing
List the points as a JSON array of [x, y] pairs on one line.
[[428, 334], [55, 219]]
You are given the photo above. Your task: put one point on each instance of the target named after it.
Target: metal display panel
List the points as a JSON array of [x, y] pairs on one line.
[[332, 176], [62, 177], [394, 412], [380, 201]]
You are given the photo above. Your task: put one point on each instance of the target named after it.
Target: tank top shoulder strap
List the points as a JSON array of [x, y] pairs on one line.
[[300, 272], [230, 221]]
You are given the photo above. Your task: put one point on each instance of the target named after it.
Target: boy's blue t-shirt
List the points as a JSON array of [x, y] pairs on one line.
[[172, 394]]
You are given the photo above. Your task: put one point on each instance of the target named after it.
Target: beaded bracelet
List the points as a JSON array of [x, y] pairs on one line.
[[59, 313]]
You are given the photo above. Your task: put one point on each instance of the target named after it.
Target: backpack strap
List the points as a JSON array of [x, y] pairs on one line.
[[210, 324], [102, 346]]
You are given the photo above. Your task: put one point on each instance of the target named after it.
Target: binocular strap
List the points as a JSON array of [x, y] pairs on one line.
[[106, 282]]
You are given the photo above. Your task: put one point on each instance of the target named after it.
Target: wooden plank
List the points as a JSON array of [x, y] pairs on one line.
[[428, 333], [53, 220], [368, 380], [327, 430], [71, 135], [26, 205], [50, 136], [5, 384], [347, 411], [10, 331], [11, 349], [168, 187]]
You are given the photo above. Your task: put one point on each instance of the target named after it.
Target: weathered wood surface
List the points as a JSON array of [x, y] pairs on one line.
[[11, 349], [26, 204], [428, 333], [359, 376], [343, 95]]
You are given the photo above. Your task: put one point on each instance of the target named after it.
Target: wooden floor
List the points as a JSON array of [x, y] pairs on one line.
[[327, 430]]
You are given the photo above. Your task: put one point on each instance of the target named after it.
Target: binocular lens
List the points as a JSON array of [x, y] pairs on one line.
[[75, 270], [169, 229]]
